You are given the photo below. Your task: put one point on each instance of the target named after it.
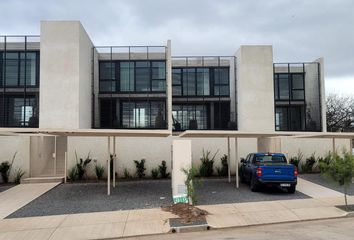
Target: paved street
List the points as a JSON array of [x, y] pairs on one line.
[[334, 229]]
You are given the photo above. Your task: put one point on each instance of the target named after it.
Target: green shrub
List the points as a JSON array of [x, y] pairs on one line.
[[127, 174], [309, 163], [99, 170], [140, 168], [72, 174], [296, 160], [206, 168], [18, 175], [81, 166], [163, 170], [224, 170], [340, 170], [5, 169], [155, 173]]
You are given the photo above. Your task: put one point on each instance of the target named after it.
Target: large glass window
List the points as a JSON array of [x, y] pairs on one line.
[[127, 76], [143, 114], [289, 86], [20, 69], [221, 82], [132, 76], [290, 118], [189, 117], [16, 111], [200, 81]]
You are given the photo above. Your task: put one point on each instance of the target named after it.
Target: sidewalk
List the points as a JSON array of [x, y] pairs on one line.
[[118, 224], [20, 195]]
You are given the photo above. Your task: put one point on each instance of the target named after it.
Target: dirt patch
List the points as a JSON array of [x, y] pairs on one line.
[[186, 212]]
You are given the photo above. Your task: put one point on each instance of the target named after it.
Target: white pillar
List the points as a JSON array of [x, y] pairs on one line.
[[55, 155], [237, 159], [65, 166], [228, 159], [114, 162], [181, 159], [109, 167]]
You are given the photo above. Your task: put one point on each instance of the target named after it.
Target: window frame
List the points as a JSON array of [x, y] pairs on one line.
[[3, 60], [212, 82], [117, 79]]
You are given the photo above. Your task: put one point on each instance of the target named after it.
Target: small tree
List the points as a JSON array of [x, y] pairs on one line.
[[190, 177], [340, 170]]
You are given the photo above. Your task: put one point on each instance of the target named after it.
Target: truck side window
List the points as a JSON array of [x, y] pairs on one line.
[[249, 158]]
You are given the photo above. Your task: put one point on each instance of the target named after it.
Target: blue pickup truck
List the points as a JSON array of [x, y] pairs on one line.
[[268, 169]]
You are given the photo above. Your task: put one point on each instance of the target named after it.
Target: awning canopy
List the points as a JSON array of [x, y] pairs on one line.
[[239, 134], [85, 132]]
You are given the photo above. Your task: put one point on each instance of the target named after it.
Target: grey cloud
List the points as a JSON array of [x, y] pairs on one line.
[[298, 30]]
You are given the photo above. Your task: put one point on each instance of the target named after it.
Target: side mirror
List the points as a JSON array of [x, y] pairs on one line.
[[243, 160]]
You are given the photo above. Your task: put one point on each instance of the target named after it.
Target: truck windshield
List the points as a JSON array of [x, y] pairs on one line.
[[270, 159]]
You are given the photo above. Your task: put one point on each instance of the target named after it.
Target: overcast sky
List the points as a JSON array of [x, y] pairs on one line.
[[298, 30]]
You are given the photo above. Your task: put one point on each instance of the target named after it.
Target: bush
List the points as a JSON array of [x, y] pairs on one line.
[[140, 168], [224, 170], [155, 173], [206, 168], [81, 166], [297, 159], [5, 169], [308, 165], [340, 170], [18, 175], [73, 173], [99, 170], [163, 170], [127, 174]]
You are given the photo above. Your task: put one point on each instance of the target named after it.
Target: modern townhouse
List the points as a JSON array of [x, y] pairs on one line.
[[58, 84]]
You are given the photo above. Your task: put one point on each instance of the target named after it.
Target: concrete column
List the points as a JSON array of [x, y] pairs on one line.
[[181, 159], [323, 94], [169, 84], [255, 89], [65, 70]]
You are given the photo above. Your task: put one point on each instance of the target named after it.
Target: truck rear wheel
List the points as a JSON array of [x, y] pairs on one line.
[[253, 185], [291, 189]]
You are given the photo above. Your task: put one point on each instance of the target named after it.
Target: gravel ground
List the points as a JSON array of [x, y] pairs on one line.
[[321, 180], [4, 187], [220, 191], [91, 197]]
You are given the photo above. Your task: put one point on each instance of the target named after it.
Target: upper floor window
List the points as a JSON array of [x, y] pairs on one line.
[[200, 81], [132, 76], [19, 68], [289, 86]]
